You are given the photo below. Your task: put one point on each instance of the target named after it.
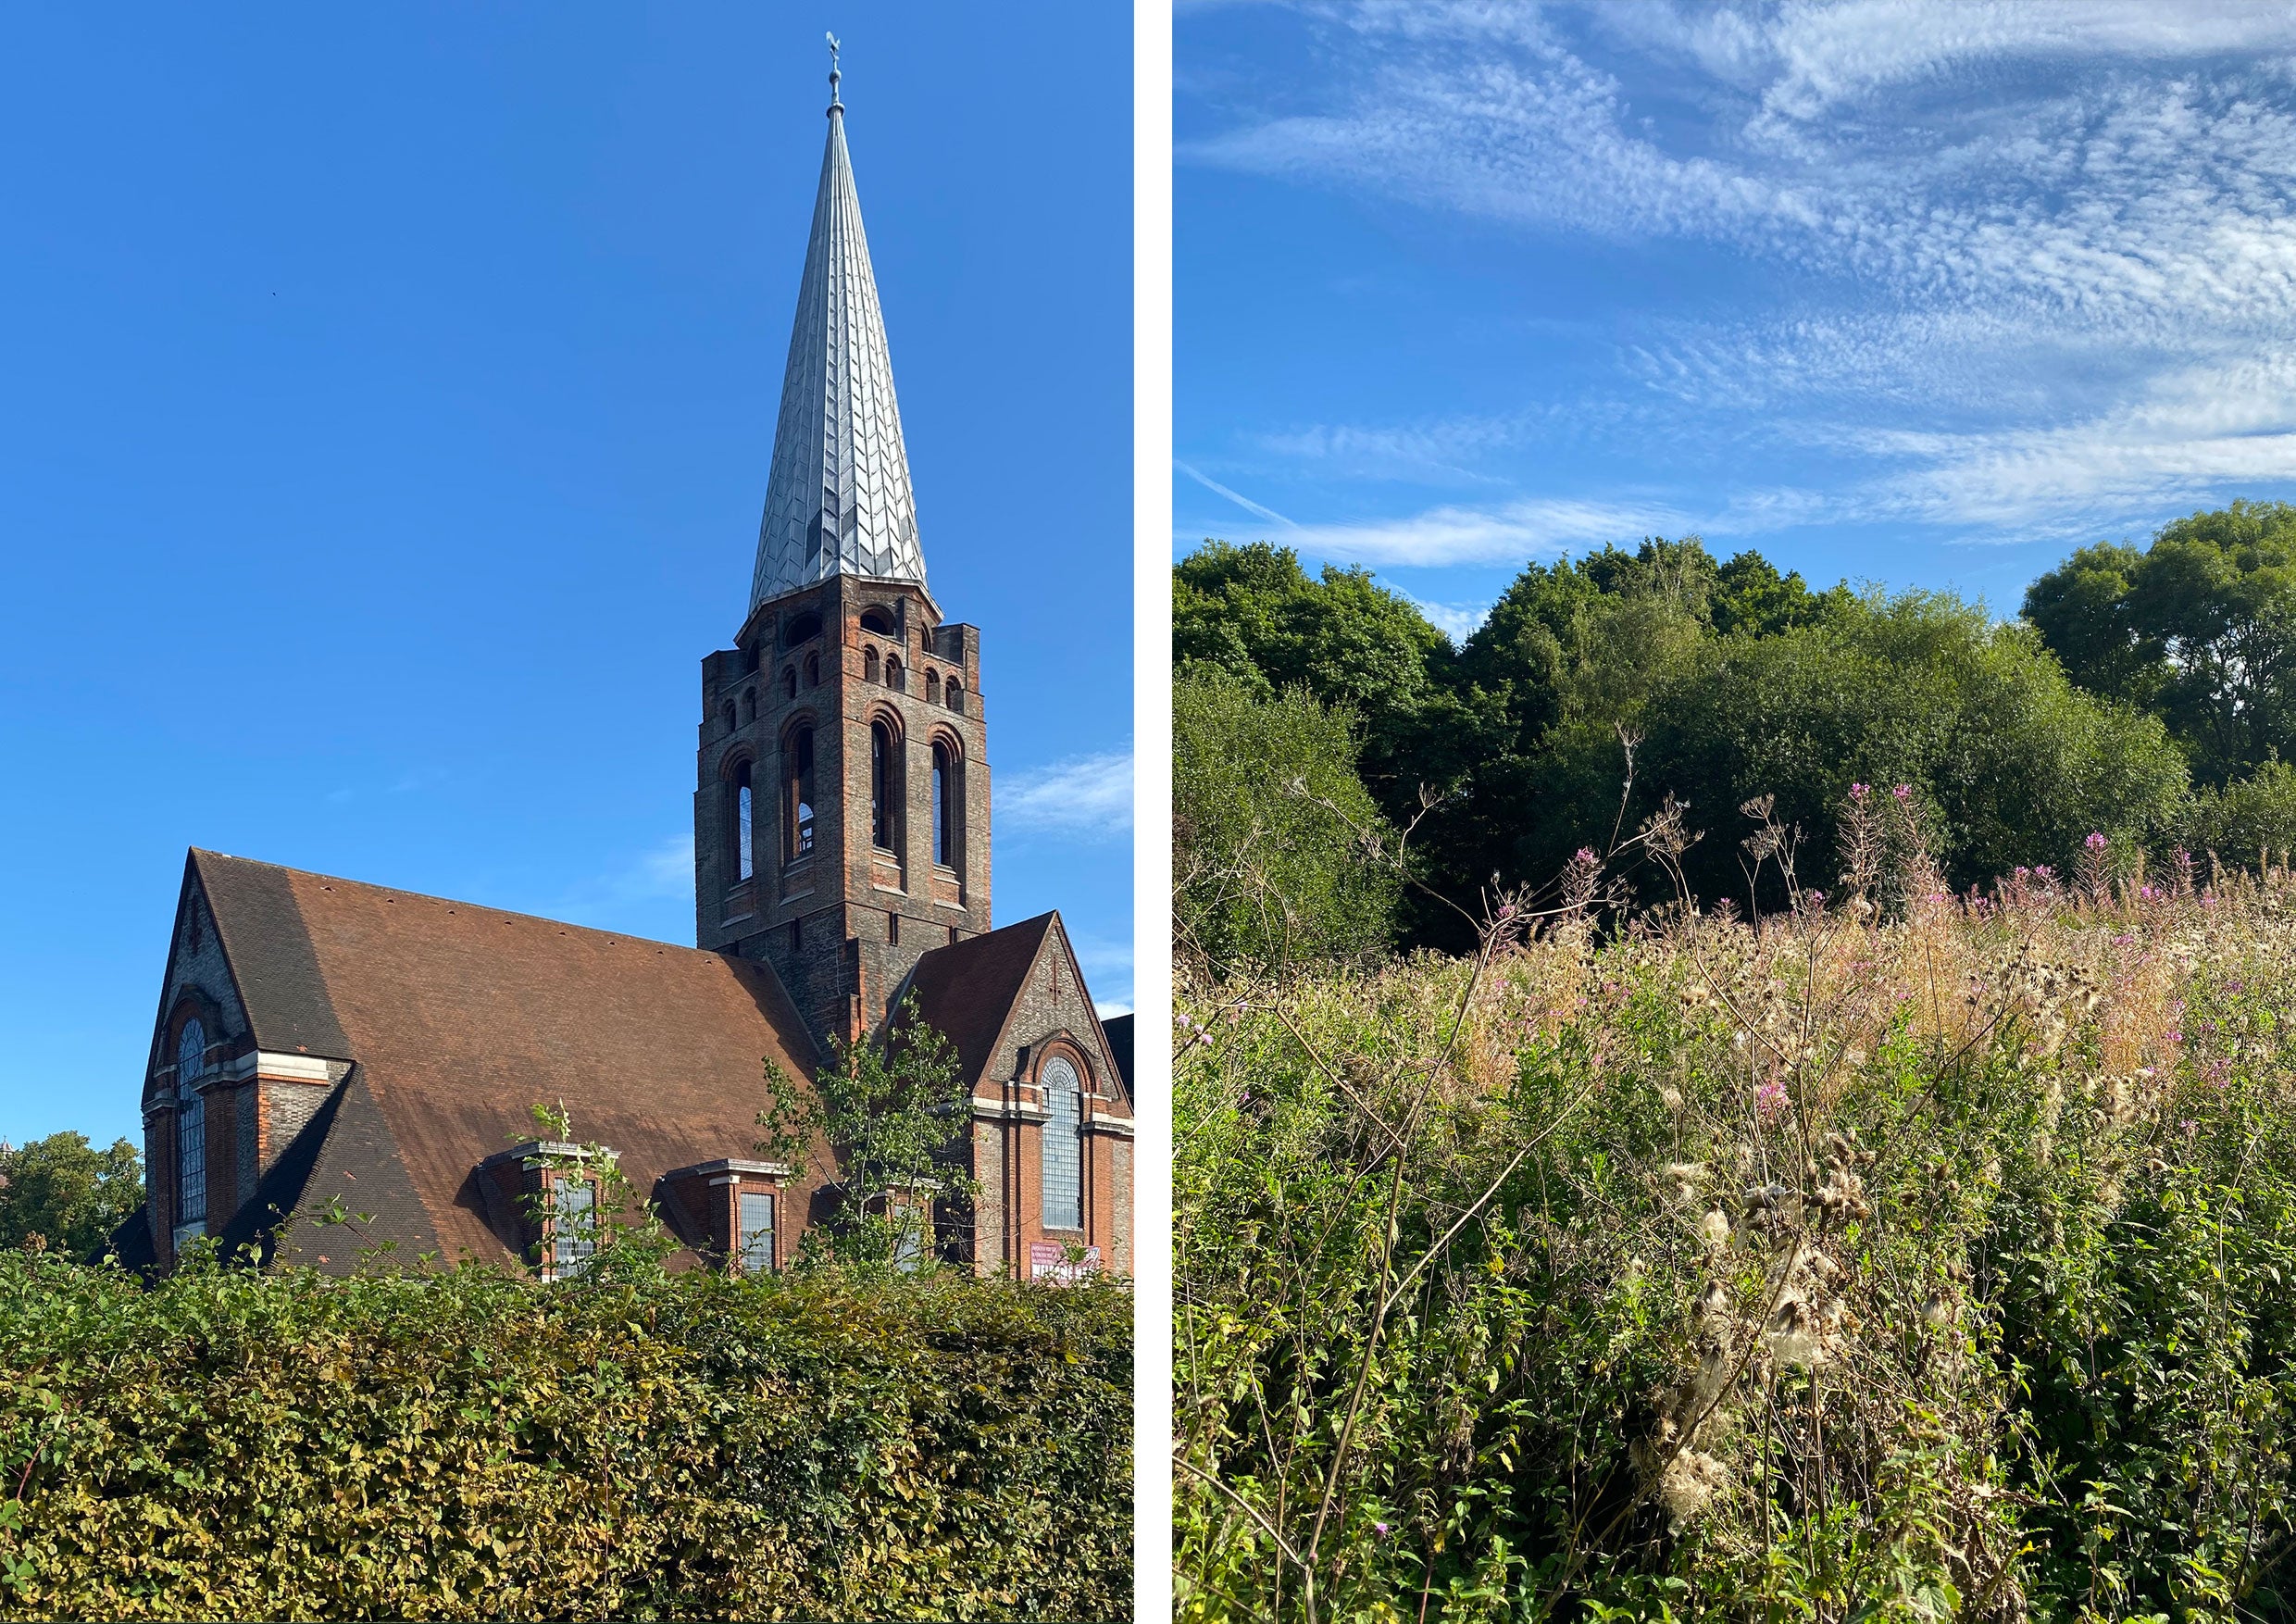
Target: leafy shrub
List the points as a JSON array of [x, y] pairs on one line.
[[1266, 812], [234, 1443], [2247, 818], [1922, 1262]]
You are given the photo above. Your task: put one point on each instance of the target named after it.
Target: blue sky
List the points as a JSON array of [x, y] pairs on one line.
[[1919, 294], [390, 393]]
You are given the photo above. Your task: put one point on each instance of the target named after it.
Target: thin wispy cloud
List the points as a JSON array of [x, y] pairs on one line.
[[1237, 497], [642, 881], [2021, 266], [1509, 535], [1082, 798]]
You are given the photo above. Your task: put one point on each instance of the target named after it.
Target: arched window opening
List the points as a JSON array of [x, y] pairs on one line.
[[868, 663], [727, 716], [1064, 1147], [892, 674], [801, 628], [797, 797], [749, 705], [191, 1124], [945, 800], [933, 687], [788, 682], [884, 788], [956, 696], [744, 823], [813, 670], [877, 619]]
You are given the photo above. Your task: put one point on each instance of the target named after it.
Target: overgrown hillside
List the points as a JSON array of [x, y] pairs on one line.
[[1912, 1255]]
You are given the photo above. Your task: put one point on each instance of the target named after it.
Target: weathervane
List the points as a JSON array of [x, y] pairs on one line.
[[834, 102]]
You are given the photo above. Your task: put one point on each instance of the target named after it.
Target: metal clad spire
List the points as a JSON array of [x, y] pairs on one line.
[[837, 500]]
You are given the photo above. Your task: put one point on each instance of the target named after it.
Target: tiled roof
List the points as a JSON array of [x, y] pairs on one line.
[[964, 990], [460, 1018]]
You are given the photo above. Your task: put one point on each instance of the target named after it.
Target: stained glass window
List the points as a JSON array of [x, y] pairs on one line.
[[190, 1118], [1064, 1147]]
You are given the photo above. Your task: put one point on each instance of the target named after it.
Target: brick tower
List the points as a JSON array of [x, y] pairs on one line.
[[840, 817]]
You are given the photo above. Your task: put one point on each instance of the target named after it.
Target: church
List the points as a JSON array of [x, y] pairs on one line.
[[327, 1047]]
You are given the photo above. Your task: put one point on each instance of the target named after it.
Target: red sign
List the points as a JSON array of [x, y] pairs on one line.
[[1050, 1260]]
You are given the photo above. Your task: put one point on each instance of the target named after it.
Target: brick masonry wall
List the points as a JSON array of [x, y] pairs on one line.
[[847, 896], [1052, 1015]]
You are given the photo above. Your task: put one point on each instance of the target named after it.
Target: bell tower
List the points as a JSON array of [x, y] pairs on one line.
[[840, 815]]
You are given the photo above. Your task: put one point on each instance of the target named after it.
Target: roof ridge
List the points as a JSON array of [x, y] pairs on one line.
[[459, 902]]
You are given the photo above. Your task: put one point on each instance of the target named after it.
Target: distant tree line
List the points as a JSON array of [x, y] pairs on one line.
[[2146, 694]]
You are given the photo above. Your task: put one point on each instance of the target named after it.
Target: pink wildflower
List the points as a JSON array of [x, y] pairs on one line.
[[2095, 842], [1770, 1099], [1904, 792]]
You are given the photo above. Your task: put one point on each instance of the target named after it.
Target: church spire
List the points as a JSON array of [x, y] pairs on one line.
[[837, 500]]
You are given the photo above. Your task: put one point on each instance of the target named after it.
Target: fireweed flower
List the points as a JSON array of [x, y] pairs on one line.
[[1903, 792], [1858, 792], [2095, 842]]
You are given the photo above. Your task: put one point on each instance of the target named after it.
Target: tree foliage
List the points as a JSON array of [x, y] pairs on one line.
[[2198, 627], [65, 1193], [1716, 681], [1269, 821], [893, 1112]]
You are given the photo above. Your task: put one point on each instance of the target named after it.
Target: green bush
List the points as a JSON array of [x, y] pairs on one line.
[[2246, 818], [468, 1444], [1266, 872]]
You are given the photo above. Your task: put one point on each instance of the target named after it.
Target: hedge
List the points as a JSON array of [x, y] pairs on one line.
[[463, 1444]]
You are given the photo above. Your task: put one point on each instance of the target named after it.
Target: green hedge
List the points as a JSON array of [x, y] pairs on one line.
[[465, 1445]]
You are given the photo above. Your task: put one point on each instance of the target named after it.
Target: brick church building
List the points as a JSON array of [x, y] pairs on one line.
[[325, 1044]]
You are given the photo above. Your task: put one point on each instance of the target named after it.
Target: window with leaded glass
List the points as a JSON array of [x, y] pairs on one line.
[[756, 1242], [573, 1224], [1064, 1147], [191, 1124]]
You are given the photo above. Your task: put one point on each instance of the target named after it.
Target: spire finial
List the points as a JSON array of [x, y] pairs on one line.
[[835, 105]]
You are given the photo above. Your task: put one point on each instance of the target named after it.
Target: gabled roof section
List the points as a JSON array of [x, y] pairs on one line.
[[461, 1018], [966, 992], [837, 500]]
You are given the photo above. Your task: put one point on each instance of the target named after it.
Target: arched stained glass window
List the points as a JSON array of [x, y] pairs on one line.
[[191, 1124], [744, 823], [1064, 1147]]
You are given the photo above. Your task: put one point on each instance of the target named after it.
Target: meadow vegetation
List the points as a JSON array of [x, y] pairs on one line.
[[1909, 1256], [1872, 1197]]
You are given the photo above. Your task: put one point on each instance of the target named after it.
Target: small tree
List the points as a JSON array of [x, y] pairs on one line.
[[68, 1193], [624, 1233], [892, 1111]]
